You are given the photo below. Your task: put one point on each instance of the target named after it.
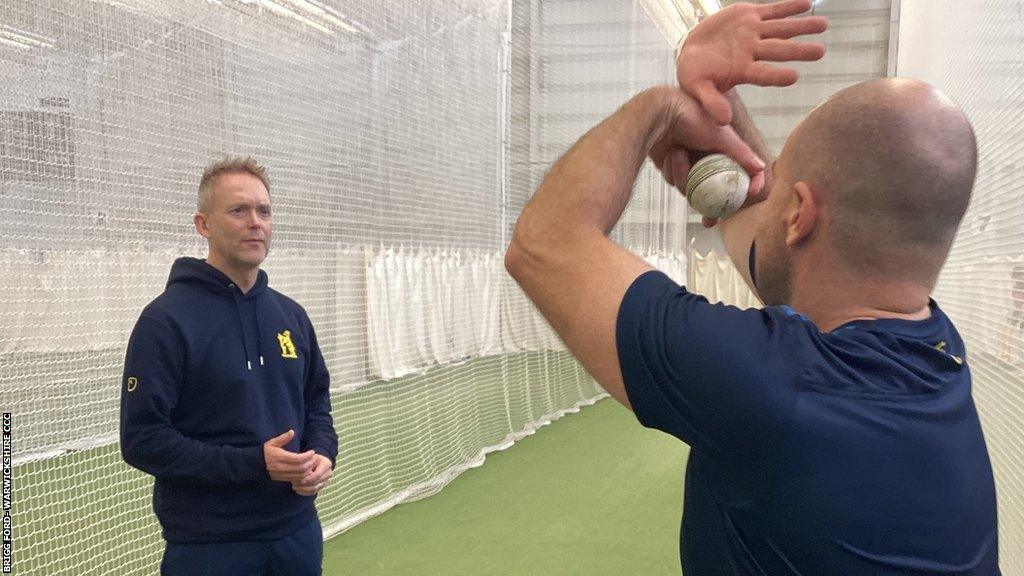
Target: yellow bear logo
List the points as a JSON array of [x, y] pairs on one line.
[[287, 347]]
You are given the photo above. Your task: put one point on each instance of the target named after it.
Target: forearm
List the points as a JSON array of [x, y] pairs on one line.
[[586, 191], [743, 124], [737, 231], [318, 432], [560, 254], [165, 453]]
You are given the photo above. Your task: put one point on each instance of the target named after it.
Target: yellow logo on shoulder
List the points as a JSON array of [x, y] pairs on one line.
[[133, 383], [287, 347]]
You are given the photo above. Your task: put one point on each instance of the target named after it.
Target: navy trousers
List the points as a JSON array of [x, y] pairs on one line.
[[299, 554]]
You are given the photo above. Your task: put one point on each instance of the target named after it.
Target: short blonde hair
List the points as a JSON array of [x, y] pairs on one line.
[[228, 165]]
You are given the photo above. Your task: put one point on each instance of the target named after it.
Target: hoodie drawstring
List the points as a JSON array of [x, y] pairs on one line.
[[259, 330], [241, 324]]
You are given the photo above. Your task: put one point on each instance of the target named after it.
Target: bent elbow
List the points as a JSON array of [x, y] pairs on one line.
[[130, 452], [513, 258], [518, 247], [528, 246], [135, 450], [523, 255]]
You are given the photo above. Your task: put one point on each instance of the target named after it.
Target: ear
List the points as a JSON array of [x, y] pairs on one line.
[[803, 217], [199, 219]]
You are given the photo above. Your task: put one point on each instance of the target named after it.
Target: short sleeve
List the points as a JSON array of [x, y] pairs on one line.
[[715, 376]]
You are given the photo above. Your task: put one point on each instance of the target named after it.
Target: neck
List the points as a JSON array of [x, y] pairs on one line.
[[830, 298], [244, 278]]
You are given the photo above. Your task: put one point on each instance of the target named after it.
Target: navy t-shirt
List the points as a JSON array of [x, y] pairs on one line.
[[857, 451]]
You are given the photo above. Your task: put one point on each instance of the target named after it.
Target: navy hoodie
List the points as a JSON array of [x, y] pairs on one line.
[[210, 375]]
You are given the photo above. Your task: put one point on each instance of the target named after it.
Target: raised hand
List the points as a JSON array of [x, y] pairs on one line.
[[734, 46], [688, 132]]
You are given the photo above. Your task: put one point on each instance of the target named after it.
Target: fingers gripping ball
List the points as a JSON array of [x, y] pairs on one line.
[[717, 186]]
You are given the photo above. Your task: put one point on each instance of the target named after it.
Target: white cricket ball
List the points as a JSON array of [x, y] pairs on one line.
[[717, 186]]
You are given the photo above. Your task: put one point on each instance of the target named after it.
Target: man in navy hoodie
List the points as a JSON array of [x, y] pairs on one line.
[[226, 399]]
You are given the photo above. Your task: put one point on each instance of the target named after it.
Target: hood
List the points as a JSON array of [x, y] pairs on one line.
[[197, 272]]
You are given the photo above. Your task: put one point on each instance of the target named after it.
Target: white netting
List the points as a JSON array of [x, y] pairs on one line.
[[974, 52], [402, 137]]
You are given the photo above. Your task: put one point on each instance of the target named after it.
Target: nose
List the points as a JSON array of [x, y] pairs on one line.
[[254, 219]]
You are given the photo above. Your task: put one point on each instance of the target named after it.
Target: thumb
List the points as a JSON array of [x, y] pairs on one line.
[[716, 105], [282, 439]]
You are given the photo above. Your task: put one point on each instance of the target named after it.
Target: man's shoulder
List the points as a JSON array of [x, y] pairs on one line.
[[288, 304], [655, 302], [182, 303], [174, 299], [159, 317], [284, 299], [163, 307]]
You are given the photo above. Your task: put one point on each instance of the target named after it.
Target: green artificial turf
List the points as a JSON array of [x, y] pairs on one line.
[[593, 493]]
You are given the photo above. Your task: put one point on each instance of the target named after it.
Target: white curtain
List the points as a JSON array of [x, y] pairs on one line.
[[673, 265], [427, 307], [523, 328], [716, 278]]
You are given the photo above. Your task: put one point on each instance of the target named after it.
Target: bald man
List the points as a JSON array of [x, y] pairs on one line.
[[832, 432]]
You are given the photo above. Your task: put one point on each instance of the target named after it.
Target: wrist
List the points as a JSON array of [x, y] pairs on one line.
[[324, 454], [260, 459], [656, 109]]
